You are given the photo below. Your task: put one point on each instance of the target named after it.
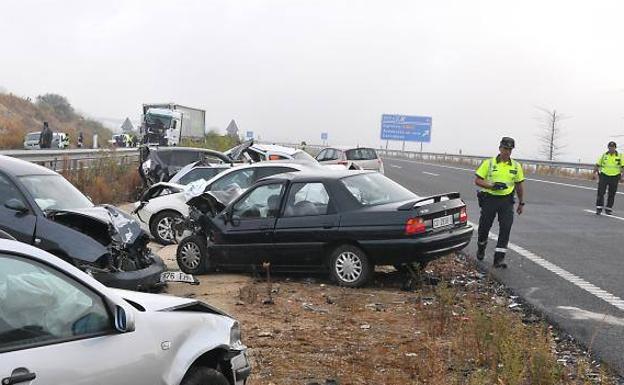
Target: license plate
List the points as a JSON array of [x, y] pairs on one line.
[[178, 276], [442, 221]]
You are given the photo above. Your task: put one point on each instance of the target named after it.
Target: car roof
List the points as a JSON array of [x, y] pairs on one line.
[[275, 148], [18, 167], [346, 148], [317, 174]]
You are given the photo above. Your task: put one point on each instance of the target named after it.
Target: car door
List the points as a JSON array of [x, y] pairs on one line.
[[55, 330], [247, 237], [19, 223], [308, 223]]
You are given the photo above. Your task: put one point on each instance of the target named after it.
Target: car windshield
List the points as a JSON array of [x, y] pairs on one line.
[[361, 154], [302, 155], [34, 136], [375, 189], [53, 192]]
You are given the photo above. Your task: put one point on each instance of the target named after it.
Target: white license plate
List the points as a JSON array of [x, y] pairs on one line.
[[442, 221], [178, 276]]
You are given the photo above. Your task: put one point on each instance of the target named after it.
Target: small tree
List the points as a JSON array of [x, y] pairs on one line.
[[58, 104], [551, 133]]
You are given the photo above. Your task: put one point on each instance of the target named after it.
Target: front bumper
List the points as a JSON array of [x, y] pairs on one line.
[[147, 279], [241, 368], [418, 249]]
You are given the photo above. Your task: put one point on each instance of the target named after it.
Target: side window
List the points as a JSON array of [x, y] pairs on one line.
[[240, 179], [307, 199], [8, 191], [263, 172], [41, 306], [199, 173], [321, 155], [262, 202]]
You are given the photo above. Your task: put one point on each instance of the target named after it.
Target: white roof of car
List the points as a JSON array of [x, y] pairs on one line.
[[345, 148], [276, 148]]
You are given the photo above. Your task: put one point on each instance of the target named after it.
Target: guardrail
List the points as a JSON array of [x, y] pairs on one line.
[[59, 160], [530, 165]]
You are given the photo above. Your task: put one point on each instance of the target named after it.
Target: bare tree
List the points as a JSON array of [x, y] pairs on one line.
[[551, 133]]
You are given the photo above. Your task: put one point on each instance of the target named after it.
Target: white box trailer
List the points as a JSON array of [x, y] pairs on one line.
[[193, 119]]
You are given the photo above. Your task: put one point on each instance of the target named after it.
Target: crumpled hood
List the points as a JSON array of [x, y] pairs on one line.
[[127, 229], [161, 302]]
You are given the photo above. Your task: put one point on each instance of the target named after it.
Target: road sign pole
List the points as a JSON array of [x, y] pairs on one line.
[[387, 144], [403, 147], [421, 147]]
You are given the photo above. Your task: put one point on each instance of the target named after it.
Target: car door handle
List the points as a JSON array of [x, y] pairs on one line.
[[17, 378], [328, 225]]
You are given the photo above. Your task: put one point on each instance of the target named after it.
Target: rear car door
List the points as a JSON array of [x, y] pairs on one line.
[[55, 330], [19, 223], [308, 223], [247, 238]]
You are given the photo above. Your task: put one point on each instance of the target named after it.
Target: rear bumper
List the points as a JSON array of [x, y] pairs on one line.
[[147, 279], [421, 249]]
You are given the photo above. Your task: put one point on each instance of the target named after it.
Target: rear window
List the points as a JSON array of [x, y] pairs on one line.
[[361, 154], [199, 173], [375, 189]]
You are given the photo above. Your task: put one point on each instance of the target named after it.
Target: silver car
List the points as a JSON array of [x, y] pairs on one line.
[[60, 326], [362, 158]]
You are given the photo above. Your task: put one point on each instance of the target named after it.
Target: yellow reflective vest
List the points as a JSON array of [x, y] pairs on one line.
[[493, 170], [610, 164]]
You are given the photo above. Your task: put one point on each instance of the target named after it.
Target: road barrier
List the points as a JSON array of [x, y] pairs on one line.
[[59, 160]]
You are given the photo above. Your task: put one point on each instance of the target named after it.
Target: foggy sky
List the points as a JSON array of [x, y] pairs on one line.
[[289, 70]]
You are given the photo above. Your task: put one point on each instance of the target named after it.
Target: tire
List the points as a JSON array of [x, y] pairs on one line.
[[192, 255], [160, 226], [349, 266], [204, 376]]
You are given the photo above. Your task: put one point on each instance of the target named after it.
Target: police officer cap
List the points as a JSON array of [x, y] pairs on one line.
[[612, 144], [508, 142]]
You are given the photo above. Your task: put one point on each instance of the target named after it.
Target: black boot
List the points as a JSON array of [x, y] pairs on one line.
[[481, 250], [499, 260], [608, 211]]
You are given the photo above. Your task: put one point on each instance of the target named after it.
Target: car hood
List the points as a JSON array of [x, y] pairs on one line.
[[161, 302], [126, 229]]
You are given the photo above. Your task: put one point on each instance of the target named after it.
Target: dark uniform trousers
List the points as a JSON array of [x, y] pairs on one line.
[[491, 206], [603, 182]]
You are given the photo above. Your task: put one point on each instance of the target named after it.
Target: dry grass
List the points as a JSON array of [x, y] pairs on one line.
[[106, 181]]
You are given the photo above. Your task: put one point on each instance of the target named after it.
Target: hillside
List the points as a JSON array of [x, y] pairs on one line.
[[19, 116]]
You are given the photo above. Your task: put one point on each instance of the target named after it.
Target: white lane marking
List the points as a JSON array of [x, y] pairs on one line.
[[395, 166], [581, 314], [573, 279], [604, 215], [531, 179], [430, 173]]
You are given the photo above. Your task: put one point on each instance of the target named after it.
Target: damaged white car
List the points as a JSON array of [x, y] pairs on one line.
[[60, 326]]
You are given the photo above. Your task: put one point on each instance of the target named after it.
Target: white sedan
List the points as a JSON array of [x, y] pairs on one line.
[[165, 203], [58, 325]]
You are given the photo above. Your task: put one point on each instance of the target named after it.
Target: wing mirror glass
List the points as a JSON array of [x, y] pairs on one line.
[[16, 204], [124, 320]]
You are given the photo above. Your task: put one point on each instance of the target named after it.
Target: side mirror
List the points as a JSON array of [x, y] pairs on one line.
[[235, 219], [17, 205], [124, 320]]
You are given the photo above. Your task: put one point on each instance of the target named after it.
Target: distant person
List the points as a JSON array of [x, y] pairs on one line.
[[45, 138], [609, 170], [80, 139], [119, 141], [499, 178]]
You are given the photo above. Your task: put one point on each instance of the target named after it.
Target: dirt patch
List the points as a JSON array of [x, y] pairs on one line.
[[461, 328]]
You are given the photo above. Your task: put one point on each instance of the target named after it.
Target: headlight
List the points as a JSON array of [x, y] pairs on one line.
[[235, 334]]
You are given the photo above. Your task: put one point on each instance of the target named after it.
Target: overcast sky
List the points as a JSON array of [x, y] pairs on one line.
[[289, 70]]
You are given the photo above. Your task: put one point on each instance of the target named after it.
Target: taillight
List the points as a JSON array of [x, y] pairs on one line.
[[343, 162], [463, 215], [415, 226]]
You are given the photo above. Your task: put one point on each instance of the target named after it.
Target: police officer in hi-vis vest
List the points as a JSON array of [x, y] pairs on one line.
[[609, 170], [499, 178]]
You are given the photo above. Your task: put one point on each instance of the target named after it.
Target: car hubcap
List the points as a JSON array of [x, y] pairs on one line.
[[164, 229], [348, 266], [190, 255]]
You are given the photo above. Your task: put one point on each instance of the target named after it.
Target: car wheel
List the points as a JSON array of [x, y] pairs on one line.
[[192, 255], [349, 266], [205, 376], [161, 226]]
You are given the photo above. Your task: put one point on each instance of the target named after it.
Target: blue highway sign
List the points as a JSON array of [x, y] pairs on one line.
[[406, 128], [249, 134], [323, 136]]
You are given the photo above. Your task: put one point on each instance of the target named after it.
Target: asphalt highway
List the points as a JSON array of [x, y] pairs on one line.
[[565, 261]]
